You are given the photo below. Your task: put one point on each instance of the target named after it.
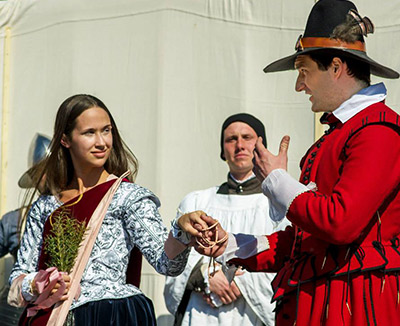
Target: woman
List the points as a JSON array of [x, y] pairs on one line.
[[87, 153]]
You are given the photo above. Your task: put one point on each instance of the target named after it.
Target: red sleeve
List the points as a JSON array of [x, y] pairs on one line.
[[271, 260], [370, 173]]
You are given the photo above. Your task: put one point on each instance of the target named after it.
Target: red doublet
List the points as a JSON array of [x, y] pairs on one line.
[[344, 251]]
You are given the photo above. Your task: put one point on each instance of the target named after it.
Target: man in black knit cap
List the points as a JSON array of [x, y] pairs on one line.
[[239, 205]]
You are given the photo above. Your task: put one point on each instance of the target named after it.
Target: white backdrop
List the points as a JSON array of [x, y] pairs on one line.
[[170, 71]]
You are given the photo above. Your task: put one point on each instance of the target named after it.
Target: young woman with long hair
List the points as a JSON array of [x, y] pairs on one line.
[[87, 155]]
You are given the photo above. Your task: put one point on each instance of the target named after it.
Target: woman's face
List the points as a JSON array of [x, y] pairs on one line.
[[91, 140]]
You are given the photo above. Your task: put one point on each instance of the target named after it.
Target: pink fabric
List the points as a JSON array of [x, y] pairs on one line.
[[45, 280], [15, 297]]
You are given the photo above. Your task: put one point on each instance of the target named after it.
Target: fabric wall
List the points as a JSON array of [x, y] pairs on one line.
[[170, 71]]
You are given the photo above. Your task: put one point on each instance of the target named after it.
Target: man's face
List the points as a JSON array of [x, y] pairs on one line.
[[239, 143], [317, 83]]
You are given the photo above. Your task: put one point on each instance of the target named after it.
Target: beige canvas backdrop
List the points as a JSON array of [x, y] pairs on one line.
[[170, 71]]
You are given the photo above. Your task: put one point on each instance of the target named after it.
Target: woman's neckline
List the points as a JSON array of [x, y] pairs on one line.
[[62, 202]]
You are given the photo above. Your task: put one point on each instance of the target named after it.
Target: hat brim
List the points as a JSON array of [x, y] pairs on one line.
[[287, 63], [25, 181]]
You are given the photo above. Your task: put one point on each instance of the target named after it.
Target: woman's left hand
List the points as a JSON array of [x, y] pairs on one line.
[[192, 222], [213, 239]]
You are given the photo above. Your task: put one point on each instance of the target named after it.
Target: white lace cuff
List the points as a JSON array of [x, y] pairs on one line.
[[281, 189], [215, 299], [178, 233], [26, 289]]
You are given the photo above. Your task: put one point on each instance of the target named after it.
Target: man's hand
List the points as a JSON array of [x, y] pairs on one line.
[[212, 242], [264, 161], [226, 292]]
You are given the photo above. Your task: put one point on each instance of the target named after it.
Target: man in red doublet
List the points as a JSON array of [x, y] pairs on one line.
[[339, 262]]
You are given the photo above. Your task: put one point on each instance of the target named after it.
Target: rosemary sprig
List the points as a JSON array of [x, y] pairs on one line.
[[64, 240]]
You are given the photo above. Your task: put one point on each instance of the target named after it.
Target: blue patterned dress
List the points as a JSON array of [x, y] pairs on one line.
[[132, 220]]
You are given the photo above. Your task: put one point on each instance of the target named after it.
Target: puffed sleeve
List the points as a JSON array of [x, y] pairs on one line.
[[31, 243], [148, 233]]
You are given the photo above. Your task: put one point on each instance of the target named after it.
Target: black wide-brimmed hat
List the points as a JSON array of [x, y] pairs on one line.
[[325, 16]]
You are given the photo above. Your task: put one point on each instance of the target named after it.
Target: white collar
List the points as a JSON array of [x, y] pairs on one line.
[[242, 181], [359, 101]]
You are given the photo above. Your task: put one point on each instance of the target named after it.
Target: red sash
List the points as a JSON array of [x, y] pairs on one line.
[[82, 210]]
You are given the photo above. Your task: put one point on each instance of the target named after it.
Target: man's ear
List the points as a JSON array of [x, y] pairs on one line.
[[64, 141], [338, 66]]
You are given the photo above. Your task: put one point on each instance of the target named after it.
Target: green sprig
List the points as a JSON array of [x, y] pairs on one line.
[[64, 240]]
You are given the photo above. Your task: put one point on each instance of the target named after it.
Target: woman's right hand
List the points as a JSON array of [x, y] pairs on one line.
[[42, 283], [67, 281]]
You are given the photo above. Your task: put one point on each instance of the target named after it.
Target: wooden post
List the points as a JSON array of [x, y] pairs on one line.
[[5, 120]]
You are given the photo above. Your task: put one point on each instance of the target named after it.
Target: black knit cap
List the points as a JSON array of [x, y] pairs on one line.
[[324, 17], [252, 121]]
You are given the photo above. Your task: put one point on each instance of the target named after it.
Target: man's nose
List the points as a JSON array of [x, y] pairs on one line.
[[299, 83], [240, 143]]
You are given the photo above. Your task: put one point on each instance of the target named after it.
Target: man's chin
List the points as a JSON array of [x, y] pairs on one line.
[[316, 109], [243, 164], [242, 169]]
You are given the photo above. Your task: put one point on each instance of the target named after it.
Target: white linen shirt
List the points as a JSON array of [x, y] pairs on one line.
[[237, 214]]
